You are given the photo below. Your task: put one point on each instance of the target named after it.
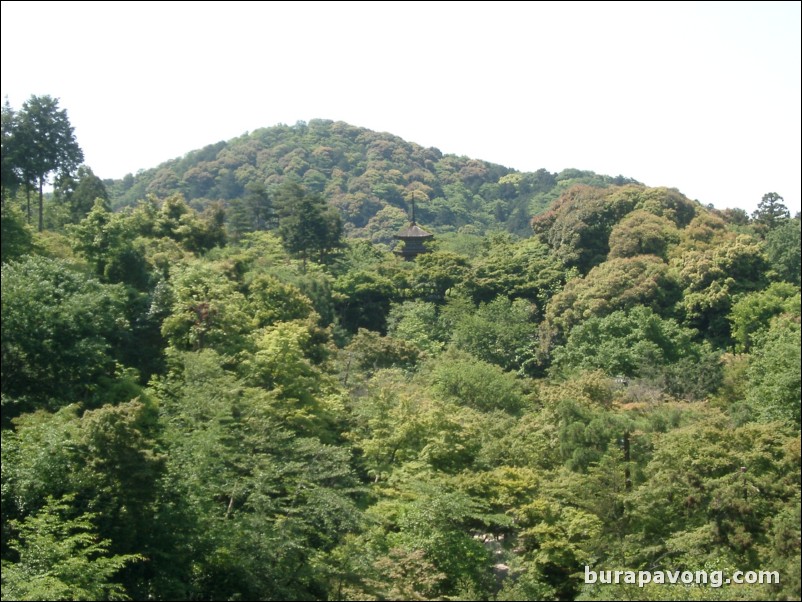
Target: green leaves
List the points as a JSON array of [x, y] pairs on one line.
[[771, 212], [500, 332], [753, 313], [712, 277], [59, 328], [624, 343], [783, 250], [617, 284], [62, 558], [261, 501], [774, 376], [426, 464], [363, 300], [104, 469], [16, 237], [477, 384], [642, 233], [710, 491], [45, 143], [306, 227], [207, 310]]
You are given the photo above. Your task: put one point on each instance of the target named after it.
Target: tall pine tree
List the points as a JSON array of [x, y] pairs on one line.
[[46, 143], [306, 226]]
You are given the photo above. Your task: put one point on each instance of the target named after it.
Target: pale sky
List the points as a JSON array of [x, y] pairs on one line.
[[703, 97]]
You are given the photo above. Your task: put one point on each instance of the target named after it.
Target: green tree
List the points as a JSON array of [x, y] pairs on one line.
[[500, 332], [712, 277], [436, 273], [207, 310], [9, 156], [368, 352], [282, 363], [60, 330], [417, 322], [106, 461], [61, 557], [106, 240], [265, 506], [307, 228], [752, 314], [774, 376], [477, 384], [578, 226], [616, 284], [118, 465], [175, 219], [81, 191], [363, 300], [271, 301], [253, 212], [47, 143], [784, 250], [771, 211], [711, 494], [436, 521], [736, 216], [422, 546], [557, 539], [16, 238], [517, 269], [642, 233], [624, 343]]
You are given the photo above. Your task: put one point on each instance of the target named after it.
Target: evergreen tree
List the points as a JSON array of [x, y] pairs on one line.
[[771, 211], [306, 226], [9, 177], [253, 212], [81, 191], [46, 144]]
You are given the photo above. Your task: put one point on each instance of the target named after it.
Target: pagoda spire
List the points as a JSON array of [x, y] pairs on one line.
[[413, 237]]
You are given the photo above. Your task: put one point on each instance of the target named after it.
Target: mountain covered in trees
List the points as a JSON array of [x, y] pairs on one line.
[[369, 177], [218, 382]]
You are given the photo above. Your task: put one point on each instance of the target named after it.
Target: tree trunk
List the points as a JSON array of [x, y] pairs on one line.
[[41, 206], [28, 197]]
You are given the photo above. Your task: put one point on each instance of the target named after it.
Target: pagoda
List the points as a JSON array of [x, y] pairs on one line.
[[413, 237]]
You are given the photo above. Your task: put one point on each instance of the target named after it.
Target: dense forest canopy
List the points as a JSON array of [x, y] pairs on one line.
[[369, 177], [218, 382]]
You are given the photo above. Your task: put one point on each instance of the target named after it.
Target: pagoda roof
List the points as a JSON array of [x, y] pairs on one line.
[[413, 231]]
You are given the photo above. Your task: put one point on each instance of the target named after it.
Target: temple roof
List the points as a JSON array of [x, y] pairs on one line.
[[413, 231]]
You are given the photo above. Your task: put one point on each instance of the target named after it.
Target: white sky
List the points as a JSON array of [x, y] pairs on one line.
[[704, 97]]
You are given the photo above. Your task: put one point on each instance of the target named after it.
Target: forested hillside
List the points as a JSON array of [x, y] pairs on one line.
[[369, 177], [219, 383]]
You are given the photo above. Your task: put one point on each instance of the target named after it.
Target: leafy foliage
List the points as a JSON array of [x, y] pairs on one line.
[[771, 212], [784, 250], [625, 343], [712, 277], [773, 377], [752, 314], [368, 177], [17, 239], [477, 384], [617, 284], [207, 396], [44, 142], [500, 332], [306, 227], [579, 225], [59, 330], [62, 558]]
